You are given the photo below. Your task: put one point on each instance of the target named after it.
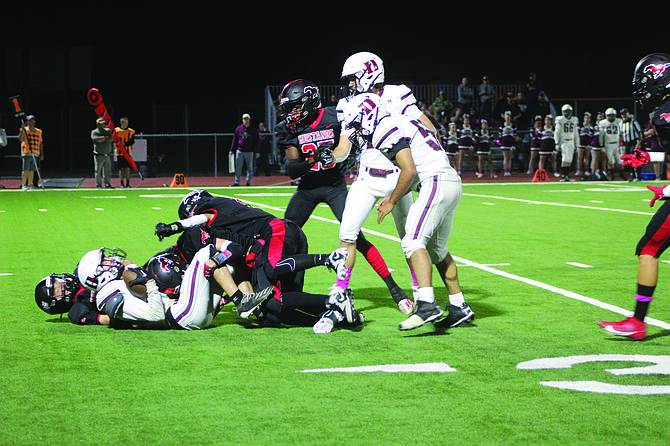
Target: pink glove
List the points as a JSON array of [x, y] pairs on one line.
[[636, 159], [658, 194]]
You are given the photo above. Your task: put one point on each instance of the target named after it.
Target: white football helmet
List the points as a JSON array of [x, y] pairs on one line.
[[366, 68], [567, 110], [100, 266], [610, 111], [363, 113]]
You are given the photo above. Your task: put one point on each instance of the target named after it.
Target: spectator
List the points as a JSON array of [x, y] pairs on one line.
[[441, 105], [264, 149], [485, 99], [245, 145], [32, 147], [532, 89], [103, 142], [466, 96], [510, 106], [541, 106]]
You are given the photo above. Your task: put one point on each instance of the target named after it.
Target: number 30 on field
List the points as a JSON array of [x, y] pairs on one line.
[[660, 366]]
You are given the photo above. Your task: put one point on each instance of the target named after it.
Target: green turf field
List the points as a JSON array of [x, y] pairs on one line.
[[540, 264]]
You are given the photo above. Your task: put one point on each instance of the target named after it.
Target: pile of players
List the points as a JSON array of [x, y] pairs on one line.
[[257, 261]]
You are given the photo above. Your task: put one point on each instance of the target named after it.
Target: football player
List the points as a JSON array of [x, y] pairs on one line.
[[293, 307], [610, 143], [377, 176], [651, 81], [62, 293], [100, 270], [411, 146], [567, 139], [305, 129]]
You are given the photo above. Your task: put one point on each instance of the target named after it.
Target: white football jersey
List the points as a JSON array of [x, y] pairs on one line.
[[399, 100], [609, 131], [134, 309], [567, 129], [427, 153]]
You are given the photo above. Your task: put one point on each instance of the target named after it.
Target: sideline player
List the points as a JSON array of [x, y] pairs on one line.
[[610, 143], [650, 84], [305, 129], [377, 176], [415, 149], [567, 139]]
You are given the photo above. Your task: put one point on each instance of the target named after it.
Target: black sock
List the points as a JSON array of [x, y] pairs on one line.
[[642, 300], [299, 262], [390, 283], [236, 297]]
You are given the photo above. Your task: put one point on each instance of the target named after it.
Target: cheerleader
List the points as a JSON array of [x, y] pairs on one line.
[[508, 139], [596, 159], [547, 142], [483, 144], [585, 140], [451, 144], [535, 137], [466, 144]]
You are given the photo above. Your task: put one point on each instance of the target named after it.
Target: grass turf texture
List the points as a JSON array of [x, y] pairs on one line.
[[237, 384]]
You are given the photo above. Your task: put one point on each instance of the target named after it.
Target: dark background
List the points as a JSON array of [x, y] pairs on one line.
[[218, 60]]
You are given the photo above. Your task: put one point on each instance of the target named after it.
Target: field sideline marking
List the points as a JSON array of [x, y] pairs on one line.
[[505, 274], [579, 206]]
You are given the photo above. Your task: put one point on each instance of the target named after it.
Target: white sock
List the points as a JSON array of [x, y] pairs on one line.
[[456, 299], [426, 294]]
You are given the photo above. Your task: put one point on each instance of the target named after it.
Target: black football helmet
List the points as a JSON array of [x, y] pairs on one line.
[[167, 270], [651, 79], [189, 202], [300, 100], [55, 293]]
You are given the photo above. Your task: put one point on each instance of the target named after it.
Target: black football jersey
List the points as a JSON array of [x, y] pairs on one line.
[[660, 118], [325, 129], [233, 215]]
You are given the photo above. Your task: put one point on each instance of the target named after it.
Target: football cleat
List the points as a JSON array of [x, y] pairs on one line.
[[250, 302], [328, 321], [425, 312], [336, 262], [630, 327], [457, 315], [342, 300]]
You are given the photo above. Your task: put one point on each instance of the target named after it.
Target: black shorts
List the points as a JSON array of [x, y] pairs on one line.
[[304, 201], [283, 239]]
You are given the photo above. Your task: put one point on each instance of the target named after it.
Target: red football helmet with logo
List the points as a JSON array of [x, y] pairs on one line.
[[651, 80]]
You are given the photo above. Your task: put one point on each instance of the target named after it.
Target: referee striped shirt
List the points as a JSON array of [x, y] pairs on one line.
[[630, 130]]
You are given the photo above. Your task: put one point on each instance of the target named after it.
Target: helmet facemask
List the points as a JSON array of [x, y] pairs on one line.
[[55, 293]]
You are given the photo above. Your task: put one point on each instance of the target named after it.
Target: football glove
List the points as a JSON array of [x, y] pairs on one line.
[[658, 194], [636, 159], [141, 279], [164, 230], [324, 155]]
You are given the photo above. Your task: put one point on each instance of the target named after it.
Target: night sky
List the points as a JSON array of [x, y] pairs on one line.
[[204, 55], [217, 56]]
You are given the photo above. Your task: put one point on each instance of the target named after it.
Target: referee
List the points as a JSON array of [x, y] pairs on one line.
[[631, 136]]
